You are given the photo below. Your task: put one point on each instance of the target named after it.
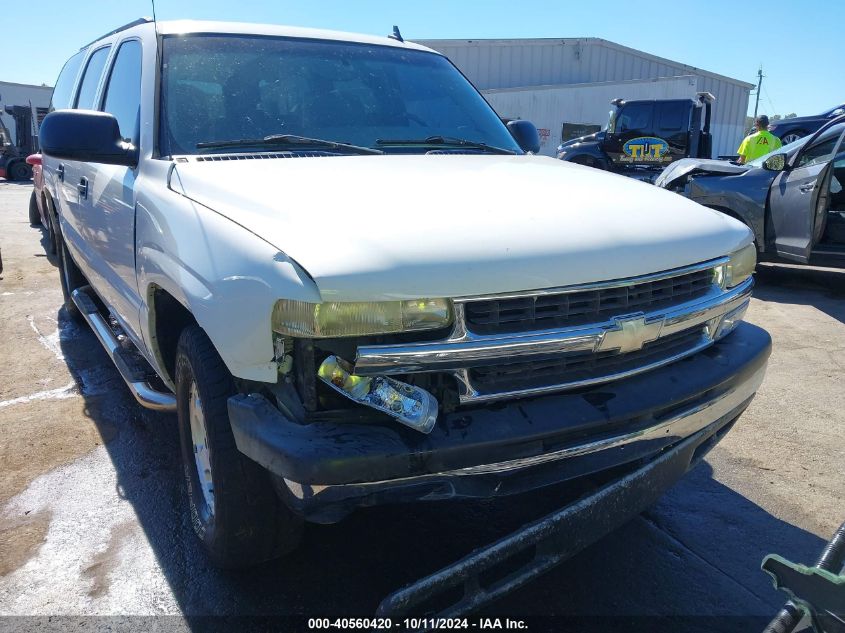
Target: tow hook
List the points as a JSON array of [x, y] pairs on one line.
[[408, 404]]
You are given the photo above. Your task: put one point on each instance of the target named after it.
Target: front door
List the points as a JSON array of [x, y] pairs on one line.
[[798, 198]]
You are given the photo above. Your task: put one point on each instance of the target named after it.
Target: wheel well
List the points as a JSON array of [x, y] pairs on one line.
[[168, 317]]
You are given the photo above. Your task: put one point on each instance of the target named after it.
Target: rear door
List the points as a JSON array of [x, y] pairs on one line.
[[798, 197], [673, 126], [61, 99], [108, 203], [73, 226]]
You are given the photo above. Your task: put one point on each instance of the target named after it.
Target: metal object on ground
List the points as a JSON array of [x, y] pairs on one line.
[[483, 576], [818, 592]]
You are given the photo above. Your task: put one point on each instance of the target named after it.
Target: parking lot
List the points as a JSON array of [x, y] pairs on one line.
[[92, 520]]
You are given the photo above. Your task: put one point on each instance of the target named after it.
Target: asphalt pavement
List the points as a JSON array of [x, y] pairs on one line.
[[92, 507]]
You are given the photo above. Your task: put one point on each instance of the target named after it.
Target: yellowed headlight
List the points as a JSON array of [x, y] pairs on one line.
[[337, 318], [740, 266]]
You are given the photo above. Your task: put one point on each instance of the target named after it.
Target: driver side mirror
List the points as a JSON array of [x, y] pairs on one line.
[[526, 135], [775, 163], [836, 113], [85, 135]]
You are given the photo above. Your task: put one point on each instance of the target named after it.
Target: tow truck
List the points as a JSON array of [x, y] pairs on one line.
[[644, 136]]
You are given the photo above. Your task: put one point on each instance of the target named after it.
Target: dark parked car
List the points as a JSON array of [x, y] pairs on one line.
[[789, 130], [792, 199]]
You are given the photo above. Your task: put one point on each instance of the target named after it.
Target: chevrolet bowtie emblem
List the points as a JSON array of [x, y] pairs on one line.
[[630, 333]]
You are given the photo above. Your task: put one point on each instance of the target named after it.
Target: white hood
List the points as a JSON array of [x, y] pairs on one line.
[[381, 227]]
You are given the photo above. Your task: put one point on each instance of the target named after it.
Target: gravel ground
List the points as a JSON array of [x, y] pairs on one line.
[[91, 500]]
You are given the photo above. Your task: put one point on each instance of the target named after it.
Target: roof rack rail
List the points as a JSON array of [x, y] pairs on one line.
[[119, 29]]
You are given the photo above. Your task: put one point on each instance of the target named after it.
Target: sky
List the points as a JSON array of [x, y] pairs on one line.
[[797, 43]]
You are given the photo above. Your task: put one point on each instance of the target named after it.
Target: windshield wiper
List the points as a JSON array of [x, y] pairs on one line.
[[445, 140], [289, 141]]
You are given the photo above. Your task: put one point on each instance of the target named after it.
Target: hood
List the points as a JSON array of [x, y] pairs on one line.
[[589, 138], [406, 226], [685, 166]]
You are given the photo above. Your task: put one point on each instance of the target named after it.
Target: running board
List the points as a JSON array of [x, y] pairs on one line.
[[134, 370]]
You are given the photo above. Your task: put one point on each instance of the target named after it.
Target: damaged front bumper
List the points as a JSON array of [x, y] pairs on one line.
[[330, 468]]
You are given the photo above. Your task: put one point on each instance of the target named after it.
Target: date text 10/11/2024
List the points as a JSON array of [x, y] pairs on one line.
[[417, 624]]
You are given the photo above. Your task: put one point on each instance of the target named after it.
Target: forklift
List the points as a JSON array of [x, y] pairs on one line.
[[644, 136], [13, 165]]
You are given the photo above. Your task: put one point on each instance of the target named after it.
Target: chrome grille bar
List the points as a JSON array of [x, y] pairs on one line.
[[464, 349]]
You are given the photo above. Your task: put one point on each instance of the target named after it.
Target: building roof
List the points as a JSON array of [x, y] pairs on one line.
[[596, 41]]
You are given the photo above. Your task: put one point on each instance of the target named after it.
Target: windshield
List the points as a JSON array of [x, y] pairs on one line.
[[227, 87]]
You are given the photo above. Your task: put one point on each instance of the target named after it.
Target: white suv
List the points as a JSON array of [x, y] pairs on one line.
[[333, 260]]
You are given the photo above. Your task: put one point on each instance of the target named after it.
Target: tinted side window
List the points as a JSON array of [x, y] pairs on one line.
[[672, 116], [91, 79], [635, 118], [63, 91], [123, 93]]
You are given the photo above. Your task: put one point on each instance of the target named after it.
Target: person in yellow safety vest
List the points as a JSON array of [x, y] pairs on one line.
[[758, 144]]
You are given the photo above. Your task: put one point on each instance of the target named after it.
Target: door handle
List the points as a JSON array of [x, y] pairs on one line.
[[82, 188], [61, 172], [807, 188]]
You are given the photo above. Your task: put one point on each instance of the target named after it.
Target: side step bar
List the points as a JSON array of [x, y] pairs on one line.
[[135, 371]]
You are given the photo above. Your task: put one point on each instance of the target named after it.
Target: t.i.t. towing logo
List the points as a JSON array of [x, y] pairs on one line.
[[646, 149]]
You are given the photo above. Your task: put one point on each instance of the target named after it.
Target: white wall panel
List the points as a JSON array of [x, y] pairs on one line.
[[497, 64]]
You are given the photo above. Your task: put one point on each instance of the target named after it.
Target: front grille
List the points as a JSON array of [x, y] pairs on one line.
[[547, 311], [581, 366]]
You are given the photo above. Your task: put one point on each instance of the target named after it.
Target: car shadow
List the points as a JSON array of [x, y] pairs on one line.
[[46, 244], [698, 551], [822, 288]]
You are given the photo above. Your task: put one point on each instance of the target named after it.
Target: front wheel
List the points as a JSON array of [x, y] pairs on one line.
[[20, 171], [234, 509]]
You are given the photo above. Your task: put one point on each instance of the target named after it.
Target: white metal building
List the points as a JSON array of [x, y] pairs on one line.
[[543, 64], [12, 94]]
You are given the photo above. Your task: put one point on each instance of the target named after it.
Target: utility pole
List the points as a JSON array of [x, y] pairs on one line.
[[759, 84]]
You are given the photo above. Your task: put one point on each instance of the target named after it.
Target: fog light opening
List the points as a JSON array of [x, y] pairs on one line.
[[410, 405], [731, 320]]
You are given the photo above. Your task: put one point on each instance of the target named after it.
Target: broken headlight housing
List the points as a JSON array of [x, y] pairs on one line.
[[333, 319], [739, 267]]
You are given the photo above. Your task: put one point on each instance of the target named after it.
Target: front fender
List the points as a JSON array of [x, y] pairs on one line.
[[745, 196], [227, 277]]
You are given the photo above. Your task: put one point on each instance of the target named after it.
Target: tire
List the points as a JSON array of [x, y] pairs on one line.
[[34, 215], [234, 508], [20, 171], [71, 278], [792, 136], [52, 247]]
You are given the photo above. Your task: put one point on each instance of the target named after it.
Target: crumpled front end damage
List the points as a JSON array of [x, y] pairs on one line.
[[675, 176]]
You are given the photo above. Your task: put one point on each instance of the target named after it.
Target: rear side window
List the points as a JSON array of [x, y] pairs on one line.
[[91, 79], [672, 116], [63, 91], [123, 93]]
